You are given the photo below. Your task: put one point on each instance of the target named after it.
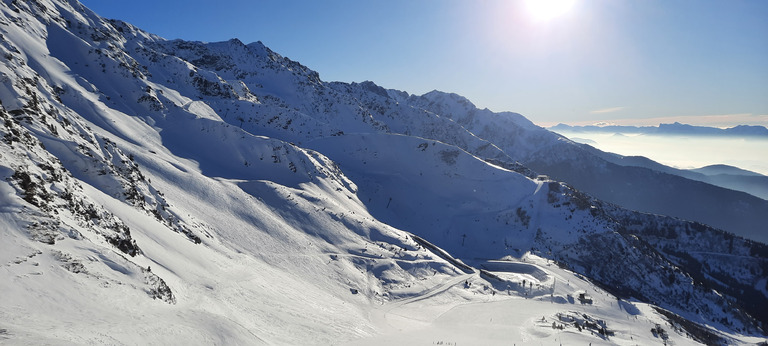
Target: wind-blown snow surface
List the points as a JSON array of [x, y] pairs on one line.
[[162, 192]]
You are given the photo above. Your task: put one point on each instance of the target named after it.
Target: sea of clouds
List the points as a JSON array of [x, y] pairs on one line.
[[683, 151]]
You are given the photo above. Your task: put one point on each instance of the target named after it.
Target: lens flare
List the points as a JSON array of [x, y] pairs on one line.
[[544, 10]]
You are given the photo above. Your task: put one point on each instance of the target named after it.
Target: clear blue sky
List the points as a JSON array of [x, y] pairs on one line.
[[601, 60]]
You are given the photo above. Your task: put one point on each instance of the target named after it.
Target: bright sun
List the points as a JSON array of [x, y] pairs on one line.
[[544, 10]]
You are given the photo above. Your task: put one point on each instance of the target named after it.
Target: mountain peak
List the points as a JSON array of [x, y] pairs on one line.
[[453, 98]]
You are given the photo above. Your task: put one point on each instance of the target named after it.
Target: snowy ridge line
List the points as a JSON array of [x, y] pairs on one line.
[[443, 254], [490, 276]]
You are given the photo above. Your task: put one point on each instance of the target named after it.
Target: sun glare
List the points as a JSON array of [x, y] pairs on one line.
[[544, 10]]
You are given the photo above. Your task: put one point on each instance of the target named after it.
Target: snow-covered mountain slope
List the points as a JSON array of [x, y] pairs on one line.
[[159, 191], [295, 105], [545, 305], [480, 212], [603, 175], [254, 88], [241, 250]]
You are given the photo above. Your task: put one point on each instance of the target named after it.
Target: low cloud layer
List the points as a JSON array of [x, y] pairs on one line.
[[714, 120], [683, 151]]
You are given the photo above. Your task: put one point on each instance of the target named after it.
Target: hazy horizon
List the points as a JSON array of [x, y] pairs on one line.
[[679, 151], [715, 120]]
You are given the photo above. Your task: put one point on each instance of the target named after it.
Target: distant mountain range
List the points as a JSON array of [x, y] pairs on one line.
[[670, 129], [725, 176], [183, 192], [725, 170]]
